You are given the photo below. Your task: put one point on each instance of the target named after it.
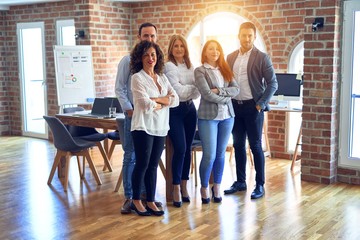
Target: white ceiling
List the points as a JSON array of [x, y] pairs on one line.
[[5, 4]]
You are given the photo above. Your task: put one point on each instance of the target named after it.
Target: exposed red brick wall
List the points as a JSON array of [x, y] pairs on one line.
[[4, 102], [321, 91]]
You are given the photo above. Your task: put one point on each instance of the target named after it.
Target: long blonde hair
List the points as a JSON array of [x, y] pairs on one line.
[[171, 57]]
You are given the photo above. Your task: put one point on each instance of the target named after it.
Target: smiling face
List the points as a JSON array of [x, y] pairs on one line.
[[178, 51], [149, 59], [247, 37], [148, 34], [212, 53]]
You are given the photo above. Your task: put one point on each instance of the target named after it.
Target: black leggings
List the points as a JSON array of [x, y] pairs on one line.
[[148, 150]]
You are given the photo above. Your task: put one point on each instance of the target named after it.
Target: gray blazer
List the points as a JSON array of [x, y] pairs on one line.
[[261, 75], [205, 80]]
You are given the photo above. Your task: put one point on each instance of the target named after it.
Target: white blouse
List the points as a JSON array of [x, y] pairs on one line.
[[145, 116], [183, 81]]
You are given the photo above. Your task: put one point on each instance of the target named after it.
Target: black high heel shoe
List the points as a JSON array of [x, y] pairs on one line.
[[205, 200], [133, 207], [185, 199], [177, 204], [216, 199], [153, 212]]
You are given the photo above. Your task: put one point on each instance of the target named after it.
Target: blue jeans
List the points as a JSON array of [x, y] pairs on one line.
[[129, 158], [248, 123], [214, 136], [182, 130]]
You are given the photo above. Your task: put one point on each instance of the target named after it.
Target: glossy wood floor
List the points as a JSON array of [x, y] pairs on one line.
[[291, 209]]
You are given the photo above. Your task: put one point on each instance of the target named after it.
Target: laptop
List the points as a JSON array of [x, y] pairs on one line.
[[100, 108]]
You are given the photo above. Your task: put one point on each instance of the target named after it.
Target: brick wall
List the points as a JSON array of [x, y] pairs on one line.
[[4, 114], [321, 91], [111, 29]]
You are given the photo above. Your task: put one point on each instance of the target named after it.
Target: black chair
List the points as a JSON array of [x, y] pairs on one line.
[[68, 146], [89, 134], [114, 136]]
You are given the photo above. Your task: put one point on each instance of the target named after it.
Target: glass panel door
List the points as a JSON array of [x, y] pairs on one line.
[[32, 78], [349, 151], [355, 92]]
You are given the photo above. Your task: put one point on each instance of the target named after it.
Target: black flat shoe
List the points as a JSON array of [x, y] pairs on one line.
[[216, 199], [205, 200], [185, 199], [177, 204], [155, 213], [133, 207]]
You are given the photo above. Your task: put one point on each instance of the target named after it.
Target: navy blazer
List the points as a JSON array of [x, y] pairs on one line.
[[261, 76], [205, 80]]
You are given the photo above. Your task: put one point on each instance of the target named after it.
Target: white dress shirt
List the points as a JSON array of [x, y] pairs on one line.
[[241, 77]]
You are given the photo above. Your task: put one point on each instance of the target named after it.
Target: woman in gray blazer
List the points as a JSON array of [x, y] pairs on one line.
[[216, 84]]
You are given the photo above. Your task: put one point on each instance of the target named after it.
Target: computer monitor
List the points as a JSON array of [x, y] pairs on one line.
[[289, 87]]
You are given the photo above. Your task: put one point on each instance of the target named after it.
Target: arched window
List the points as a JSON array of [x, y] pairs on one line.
[[296, 65], [221, 26]]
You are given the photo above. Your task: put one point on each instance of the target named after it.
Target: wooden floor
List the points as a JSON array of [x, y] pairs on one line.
[[291, 209]]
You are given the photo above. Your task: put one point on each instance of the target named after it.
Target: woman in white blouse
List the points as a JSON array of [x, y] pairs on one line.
[[217, 86], [183, 119], [153, 95]]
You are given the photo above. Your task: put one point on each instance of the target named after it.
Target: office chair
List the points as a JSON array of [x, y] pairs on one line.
[[68, 146], [89, 134]]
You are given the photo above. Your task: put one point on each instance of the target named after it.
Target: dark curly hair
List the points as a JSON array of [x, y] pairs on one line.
[[137, 53]]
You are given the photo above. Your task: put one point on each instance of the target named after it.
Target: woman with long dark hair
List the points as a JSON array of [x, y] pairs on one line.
[[153, 95]]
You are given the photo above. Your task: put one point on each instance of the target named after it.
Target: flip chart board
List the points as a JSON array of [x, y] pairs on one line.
[[74, 74]]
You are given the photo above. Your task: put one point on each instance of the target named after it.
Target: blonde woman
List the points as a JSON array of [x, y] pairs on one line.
[[183, 118]]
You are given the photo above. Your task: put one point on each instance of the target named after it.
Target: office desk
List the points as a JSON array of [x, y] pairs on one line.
[[107, 124], [298, 141]]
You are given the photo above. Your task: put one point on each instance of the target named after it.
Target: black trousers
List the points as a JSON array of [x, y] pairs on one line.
[[248, 123], [148, 150], [183, 121]]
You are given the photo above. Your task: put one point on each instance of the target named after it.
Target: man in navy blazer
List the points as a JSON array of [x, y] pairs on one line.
[[255, 75]]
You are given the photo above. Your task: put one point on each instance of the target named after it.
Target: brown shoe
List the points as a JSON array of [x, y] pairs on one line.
[[126, 208]]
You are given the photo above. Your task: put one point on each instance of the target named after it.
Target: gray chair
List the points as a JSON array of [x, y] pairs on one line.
[[68, 146], [89, 134]]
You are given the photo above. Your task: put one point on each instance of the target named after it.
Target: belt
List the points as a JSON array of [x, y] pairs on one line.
[[188, 102], [240, 102]]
